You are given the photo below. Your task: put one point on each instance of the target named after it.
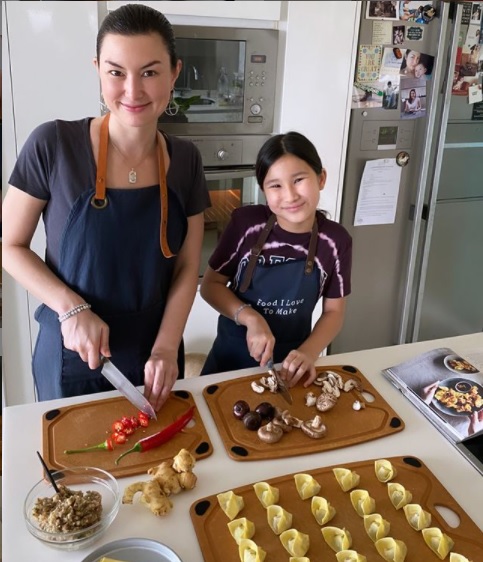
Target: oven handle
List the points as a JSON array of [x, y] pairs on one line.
[[232, 173]]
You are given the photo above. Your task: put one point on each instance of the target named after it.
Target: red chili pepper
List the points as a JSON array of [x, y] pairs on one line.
[[105, 445], [119, 437], [143, 422], [126, 422], [162, 436], [134, 422], [117, 426]]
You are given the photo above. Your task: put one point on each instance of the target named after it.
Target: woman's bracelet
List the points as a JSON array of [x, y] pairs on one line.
[[239, 309], [74, 311]]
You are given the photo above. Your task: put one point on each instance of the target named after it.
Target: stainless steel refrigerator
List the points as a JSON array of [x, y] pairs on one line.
[[421, 276]]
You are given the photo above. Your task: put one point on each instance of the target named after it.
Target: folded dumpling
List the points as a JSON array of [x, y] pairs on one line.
[[346, 478], [398, 495], [267, 494], [350, 556], [376, 526], [338, 539], [249, 551], [278, 519], [230, 503], [392, 550], [295, 542], [416, 516], [384, 469], [362, 502], [438, 541], [322, 510], [307, 486], [241, 528], [455, 557]]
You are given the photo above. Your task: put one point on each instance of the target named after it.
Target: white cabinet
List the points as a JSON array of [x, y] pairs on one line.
[[257, 10]]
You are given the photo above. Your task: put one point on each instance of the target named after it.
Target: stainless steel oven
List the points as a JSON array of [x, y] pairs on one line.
[[229, 165], [227, 83]]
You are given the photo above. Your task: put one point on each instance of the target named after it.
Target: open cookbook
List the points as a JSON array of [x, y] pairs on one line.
[[447, 389]]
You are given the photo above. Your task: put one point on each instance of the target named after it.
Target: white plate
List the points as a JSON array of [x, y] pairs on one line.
[[449, 358], [134, 550]]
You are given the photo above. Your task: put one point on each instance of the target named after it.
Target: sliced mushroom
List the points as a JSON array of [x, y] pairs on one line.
[[320, 379], [314, 428], [325, 402], [270, 433], [291, 420], [310, 399], [257, 387], [335, 379], [352, 384]]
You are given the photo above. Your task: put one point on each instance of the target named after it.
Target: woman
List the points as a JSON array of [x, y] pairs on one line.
[[272, 265], [412, 103], [121, 265], [409, 63]]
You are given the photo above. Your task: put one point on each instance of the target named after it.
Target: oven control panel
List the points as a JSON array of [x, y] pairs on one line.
[[228, 150]]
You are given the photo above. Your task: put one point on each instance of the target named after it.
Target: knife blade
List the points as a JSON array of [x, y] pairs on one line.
[[282, 387], [126, 388]]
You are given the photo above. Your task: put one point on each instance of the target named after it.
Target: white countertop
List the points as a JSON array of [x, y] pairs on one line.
[[218, 472]]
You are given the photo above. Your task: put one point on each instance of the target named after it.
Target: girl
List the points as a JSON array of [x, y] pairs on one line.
[[273, 263], [412, 104], [123, 211]]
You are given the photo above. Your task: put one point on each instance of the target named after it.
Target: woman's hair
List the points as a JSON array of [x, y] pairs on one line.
[[287, 143], [138, 19], [411, 91]]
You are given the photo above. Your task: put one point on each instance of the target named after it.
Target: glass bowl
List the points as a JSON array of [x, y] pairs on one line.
[[77, 479]]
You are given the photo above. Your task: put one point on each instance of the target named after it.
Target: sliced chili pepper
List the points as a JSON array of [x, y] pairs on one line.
[[128, 430], [160, 437], [134, 422], [143, 422], [106, 445], [117, 426], [119, 437], [126, 422], [143, 416]]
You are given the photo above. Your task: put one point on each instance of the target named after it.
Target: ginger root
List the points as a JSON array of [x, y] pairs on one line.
[[170, 477]]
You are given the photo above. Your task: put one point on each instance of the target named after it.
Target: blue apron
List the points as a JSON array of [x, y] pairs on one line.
[[284, 294], [110, 254]]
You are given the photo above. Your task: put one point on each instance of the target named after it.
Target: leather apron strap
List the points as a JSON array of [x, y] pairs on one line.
[[100, 201], [256, 250]]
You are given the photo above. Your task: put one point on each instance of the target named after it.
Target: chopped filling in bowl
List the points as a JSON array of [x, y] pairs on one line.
[[68, 511]]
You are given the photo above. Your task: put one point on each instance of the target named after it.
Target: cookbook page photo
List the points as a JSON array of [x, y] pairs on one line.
[[445, 387]]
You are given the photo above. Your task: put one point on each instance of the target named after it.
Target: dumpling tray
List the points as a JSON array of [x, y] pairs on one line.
[[218, 545]]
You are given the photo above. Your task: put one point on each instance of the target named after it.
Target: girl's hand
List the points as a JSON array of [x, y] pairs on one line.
[[160, 374], [296, 365], [260, 340], [87, 334]]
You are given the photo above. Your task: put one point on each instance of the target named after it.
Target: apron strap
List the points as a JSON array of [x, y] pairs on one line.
[[99, 200], [314, 237], [255, 252]]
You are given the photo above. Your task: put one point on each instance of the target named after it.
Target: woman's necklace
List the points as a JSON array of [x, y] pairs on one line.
[[132, 175]]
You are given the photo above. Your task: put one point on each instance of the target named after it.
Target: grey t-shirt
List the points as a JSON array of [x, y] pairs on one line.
[[57, 164]]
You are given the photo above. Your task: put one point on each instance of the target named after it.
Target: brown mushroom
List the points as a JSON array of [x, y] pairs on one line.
[[310, 399], [270, 433], [291, 420], [325, 402], [352, 383], [279, 422], [314, 428]]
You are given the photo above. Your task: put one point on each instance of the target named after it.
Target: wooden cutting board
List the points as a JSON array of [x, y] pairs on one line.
[[90, 423], [217, 544], [345, 426]]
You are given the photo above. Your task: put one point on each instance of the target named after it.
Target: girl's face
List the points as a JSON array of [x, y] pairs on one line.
[[412, 94], [292, 190], [412, 59], [136, 77]]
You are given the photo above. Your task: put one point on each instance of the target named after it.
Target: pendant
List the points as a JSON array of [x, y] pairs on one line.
[[132, 176]]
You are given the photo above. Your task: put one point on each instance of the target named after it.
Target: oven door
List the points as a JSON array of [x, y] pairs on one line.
[[229, 189]]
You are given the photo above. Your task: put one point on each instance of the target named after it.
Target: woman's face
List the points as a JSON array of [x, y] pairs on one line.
[[412, 60], [136, 77], [412, 94]]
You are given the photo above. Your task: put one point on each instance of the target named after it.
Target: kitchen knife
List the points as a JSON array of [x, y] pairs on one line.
[[282, 387], [126, 388]]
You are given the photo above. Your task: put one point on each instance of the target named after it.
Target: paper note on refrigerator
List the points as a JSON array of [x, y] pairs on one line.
[[378, 192]]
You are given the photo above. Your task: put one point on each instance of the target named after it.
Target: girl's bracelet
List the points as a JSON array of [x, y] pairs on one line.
[[239, 309], [74, 311]]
